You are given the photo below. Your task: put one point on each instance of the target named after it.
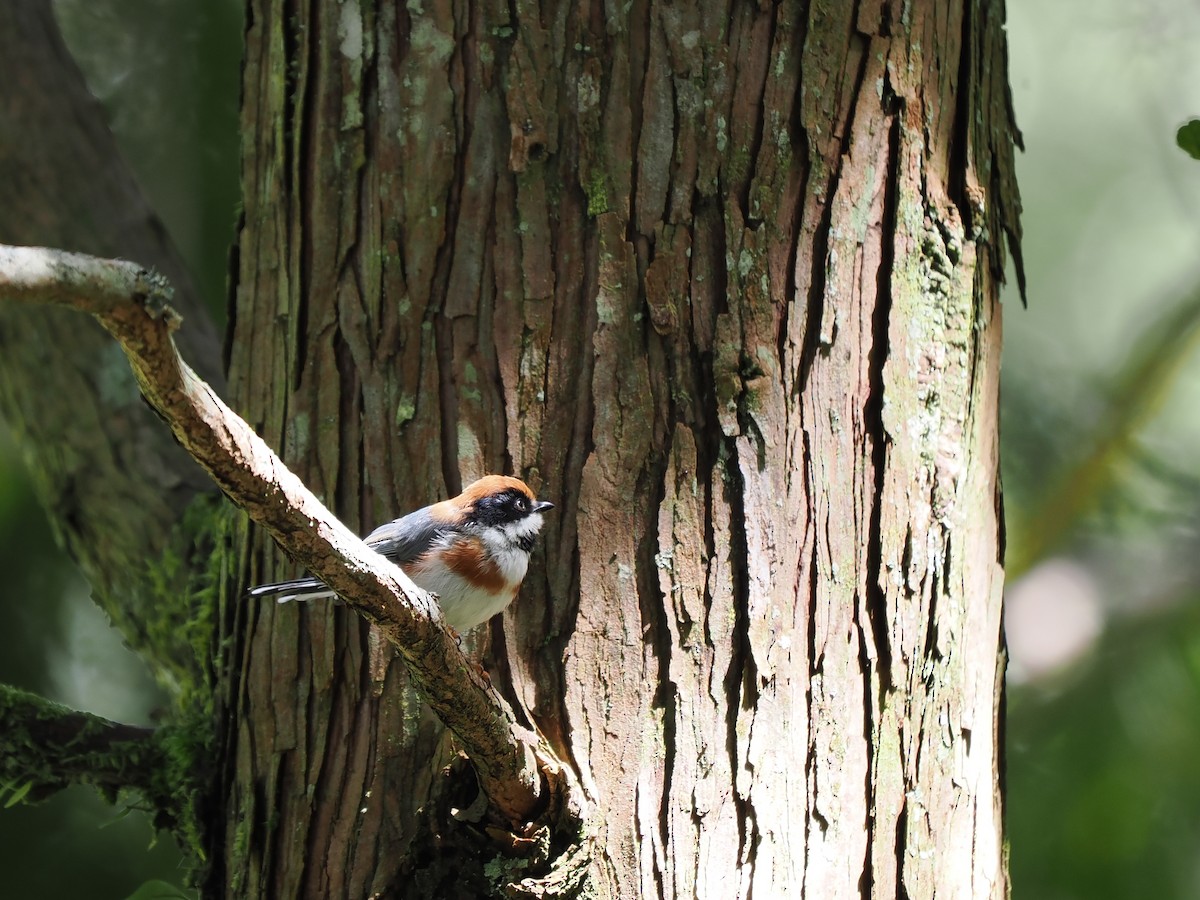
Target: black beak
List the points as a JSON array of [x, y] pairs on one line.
[[542, 506]]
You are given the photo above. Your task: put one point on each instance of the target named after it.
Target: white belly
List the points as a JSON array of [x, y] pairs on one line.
[[463, 604]]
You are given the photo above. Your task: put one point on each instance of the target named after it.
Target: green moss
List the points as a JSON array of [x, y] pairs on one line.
[[188, 581], [21, 765], [45, 747], [406, 410], [596, 189], [500, 870], [739, 163], [184, 581], [186, 753], [241, 846]]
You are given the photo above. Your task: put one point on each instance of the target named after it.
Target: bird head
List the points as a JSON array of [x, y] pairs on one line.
[[503, 511]]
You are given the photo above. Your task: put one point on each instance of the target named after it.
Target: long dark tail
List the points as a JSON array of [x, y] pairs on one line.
[[297, 589]]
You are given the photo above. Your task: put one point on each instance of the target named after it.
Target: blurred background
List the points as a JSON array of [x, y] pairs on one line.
[[168, 73], [1101, 428], [1101, 454]]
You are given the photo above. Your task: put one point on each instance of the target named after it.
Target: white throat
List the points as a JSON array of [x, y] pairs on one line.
[[506, 545]]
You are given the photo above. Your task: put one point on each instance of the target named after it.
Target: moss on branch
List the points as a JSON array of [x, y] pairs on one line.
[[45, 747]]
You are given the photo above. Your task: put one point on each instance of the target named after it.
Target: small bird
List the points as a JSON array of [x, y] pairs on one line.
[[472, 551]]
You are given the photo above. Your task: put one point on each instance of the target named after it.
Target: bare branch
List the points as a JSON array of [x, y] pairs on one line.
[[132, 304]]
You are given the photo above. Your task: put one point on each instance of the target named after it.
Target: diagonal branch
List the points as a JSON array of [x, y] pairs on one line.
[[131, 303]]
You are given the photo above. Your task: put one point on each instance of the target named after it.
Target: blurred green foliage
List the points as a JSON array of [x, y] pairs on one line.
[[1188, 138], [168, 72], [1101, 418], [56, 642], [169, 75], [1104, 789]]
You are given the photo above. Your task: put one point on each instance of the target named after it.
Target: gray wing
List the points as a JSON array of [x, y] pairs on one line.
[[403, 540]]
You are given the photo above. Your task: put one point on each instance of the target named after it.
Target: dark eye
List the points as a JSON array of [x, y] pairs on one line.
[[521, 504]]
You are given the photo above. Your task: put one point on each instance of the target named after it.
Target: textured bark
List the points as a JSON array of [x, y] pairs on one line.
[[115, 484], [720, 281]]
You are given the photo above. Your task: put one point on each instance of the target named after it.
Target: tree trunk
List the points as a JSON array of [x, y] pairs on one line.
[[722, 283]]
